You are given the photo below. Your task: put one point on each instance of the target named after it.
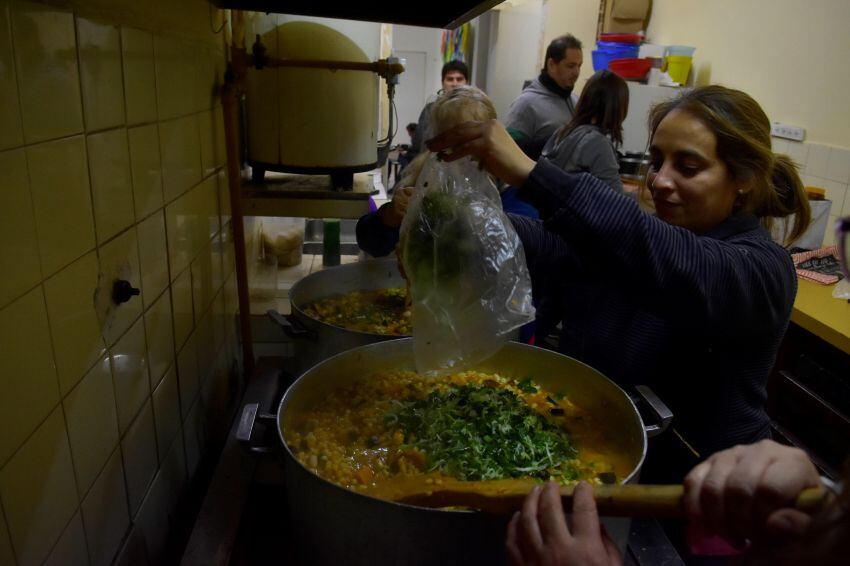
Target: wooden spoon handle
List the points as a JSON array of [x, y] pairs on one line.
[[633, 500]]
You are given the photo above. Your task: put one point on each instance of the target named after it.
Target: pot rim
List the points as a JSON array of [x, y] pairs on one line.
[[633, 475]]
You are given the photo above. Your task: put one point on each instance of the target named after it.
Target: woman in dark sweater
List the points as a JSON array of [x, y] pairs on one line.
[[693, 301]]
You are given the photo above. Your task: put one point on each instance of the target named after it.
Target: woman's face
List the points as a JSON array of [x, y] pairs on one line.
[[691, 187]]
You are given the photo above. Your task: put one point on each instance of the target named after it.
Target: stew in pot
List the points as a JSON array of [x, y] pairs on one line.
[[398, 431], [381, 311]]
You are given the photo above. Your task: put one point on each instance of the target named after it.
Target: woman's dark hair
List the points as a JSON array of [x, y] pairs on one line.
[[604, 102], [455, 65], [773, 188]]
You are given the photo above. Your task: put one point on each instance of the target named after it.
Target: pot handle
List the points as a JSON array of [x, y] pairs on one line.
[[663, 415], [245, 429], [290, 326]]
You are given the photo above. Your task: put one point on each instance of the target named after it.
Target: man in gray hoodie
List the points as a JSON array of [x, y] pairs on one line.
[[548, 102]]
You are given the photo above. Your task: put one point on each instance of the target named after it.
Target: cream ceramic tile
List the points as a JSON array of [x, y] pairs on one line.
[[59, 181], [216, 251], [816, 161], [191, 221], [194, 437], [175, 76], [48, 77], [219, 144], [205, 129], [187, 375], [133, 551], [105, 512], [160, 335], [19, 261], [838, 165], [155, 520], [119, 259], [99, 47], [166, 410], [181, 299], [779, 145], [223, 197], [836, 193], [92, 423], [111, 183], [812, 181], [7, 555], [30, 389], [844, 211], [138, 448], [207, 83], [218, 320], [139, 75], [130, 373], [202, 290], [71, 549], [146, 168], [205, 344], [74, 324], [799, 152], [38, 491], [11, 134], [181, 156], [173, 471], [153, 256]]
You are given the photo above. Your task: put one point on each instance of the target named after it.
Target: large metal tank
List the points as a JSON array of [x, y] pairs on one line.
[[306, 120]]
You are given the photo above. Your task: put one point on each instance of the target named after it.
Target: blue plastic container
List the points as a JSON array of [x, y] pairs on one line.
[[606, 51]]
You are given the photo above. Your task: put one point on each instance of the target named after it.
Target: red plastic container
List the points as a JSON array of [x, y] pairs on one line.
[[634, 38], [631, 68]]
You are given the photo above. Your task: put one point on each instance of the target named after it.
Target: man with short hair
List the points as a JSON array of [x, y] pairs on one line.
[[454, 74], [548, 102]]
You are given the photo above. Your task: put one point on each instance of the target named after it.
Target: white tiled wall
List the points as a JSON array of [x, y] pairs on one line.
[[822, 166], [111, 155]]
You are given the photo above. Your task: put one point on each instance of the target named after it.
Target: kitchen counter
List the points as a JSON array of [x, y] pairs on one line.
[[824, 316]]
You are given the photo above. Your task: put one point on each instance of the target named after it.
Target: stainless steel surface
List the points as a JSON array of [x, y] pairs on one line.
[[333, 522], [318, 340]]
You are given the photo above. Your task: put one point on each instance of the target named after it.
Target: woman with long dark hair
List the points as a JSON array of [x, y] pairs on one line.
[[588, 142]]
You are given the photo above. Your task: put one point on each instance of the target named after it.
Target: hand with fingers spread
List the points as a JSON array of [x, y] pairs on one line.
[[393, 214], [539, 535], [744, 492], [489, 144]]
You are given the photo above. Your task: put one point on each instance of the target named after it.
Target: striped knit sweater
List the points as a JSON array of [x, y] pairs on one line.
[[697, 317]]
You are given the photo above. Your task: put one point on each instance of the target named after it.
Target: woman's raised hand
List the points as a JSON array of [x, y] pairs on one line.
[[489, 144]]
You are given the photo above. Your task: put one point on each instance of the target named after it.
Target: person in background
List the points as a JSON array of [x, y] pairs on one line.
[[744, 493], [693, 301], [588, 142], [548, 102], [378, 232], [454, 74], [404, 157]]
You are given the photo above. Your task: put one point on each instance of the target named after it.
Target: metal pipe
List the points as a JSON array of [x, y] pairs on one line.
[[230, 107]]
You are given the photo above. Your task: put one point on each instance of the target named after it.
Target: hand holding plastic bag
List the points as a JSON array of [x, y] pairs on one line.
[[466, 268]]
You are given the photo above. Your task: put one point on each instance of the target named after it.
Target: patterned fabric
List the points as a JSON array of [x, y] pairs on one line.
[[697, 317], [827, 273]]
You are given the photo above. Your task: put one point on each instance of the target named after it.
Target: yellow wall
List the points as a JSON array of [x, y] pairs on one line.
[[789, 55], [111, 166], [578, 17]]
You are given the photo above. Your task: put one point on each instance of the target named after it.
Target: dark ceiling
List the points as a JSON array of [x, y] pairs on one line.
[[435, 13]]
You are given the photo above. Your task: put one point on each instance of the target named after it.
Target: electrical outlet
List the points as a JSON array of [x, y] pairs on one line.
[[779, 130]]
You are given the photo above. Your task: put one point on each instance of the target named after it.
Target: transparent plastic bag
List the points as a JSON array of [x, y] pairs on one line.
[[466, 268]]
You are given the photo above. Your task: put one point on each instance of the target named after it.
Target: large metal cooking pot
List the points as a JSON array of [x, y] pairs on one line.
[[336, 525], [315, 340]]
